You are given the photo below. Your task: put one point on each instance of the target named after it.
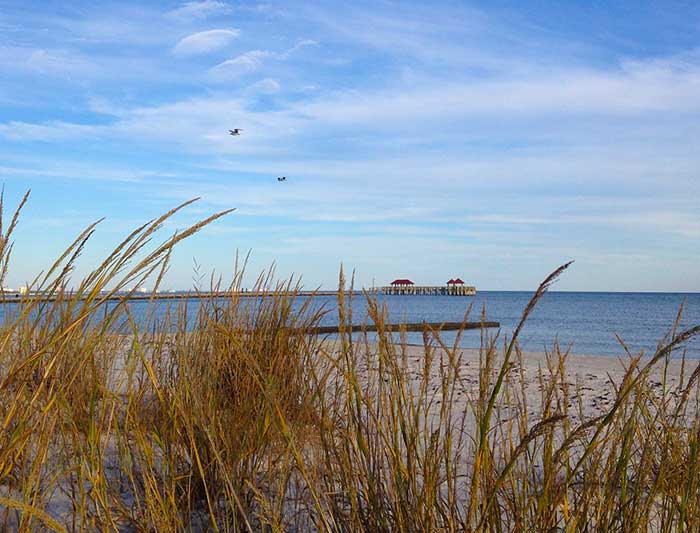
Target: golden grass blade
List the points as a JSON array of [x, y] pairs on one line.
[[33, 511]]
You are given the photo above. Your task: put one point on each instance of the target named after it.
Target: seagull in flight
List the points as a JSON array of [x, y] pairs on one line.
[[235, 131], [282, 178]]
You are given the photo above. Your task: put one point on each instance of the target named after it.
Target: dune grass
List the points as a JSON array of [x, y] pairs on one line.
[[240, 419]]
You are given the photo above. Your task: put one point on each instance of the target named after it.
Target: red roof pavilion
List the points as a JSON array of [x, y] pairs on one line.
[[402, 282], [451, 282], [458, 281]]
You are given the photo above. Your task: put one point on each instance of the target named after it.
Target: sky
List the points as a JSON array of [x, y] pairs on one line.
[[492, 141]]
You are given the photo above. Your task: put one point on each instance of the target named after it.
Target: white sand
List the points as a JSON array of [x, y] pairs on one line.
[[591, 381]]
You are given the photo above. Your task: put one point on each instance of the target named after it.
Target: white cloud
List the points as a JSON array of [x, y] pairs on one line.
[[242, 64], [120, 24], [609, 131], [265, 86], [47, 61], [205, 41], [200, 10], [567, 92], [253, 60], [608, 148], [301, 44], [91, 171], [47, 132], [57, 61]]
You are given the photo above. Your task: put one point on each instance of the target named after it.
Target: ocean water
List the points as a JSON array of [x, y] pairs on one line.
[[588, 322]]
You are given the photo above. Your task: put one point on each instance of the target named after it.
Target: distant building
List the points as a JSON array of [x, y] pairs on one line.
[[455, 281], [401, 283]]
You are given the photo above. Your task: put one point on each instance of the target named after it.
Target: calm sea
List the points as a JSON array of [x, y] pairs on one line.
[[588, 321]]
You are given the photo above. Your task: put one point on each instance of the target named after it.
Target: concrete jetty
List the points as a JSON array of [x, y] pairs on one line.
[[416, 326]]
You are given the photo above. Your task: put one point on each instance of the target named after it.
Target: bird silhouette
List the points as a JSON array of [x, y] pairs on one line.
[[235, 131], [282, 178]]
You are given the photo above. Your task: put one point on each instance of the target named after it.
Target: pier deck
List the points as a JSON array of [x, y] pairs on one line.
[[14, 298], [437, 290]]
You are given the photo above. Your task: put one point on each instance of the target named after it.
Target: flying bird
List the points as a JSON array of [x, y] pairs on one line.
[[235, 131], [282, 178]]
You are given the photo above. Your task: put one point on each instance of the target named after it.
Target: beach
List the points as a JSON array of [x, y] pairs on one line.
[[591, 382]]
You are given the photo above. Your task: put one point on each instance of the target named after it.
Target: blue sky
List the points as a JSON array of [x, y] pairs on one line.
[[489, 140]]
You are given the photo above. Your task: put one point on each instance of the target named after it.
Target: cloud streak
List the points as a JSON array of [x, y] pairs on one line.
[[242, 64], [204, 42], [254, 60], [200, 10]]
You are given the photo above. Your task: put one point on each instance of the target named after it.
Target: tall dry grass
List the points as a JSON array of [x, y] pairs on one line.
[[240, 419]]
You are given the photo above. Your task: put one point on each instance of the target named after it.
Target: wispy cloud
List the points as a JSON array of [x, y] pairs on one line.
[[301, 44], [265, 86], [465, 112], [200, 10], [58, 62], [205, 41], [242, 64], [47, 132], [254, 60], [566, 92], [57, 169], [122, 24]]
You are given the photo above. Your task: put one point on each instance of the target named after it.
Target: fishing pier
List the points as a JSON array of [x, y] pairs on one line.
[[454, 287]]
